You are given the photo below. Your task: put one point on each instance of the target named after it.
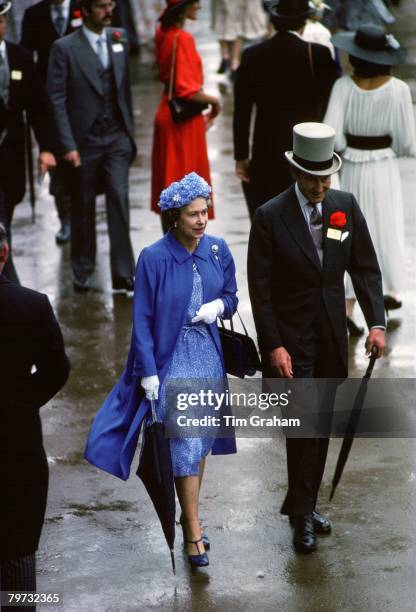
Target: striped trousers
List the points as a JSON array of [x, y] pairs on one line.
[[18, 575]]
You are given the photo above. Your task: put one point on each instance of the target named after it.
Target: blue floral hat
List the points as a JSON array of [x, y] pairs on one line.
[[183, 192]]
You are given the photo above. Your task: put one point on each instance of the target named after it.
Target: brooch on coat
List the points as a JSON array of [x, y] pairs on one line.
[[215, 250]]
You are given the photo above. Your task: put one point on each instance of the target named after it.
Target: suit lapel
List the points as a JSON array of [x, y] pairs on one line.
[[88, 60], [117, 60], [330, 246], [14, 66], [297, 226]]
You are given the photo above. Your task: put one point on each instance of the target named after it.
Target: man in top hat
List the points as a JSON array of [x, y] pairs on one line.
[[21, 97], [89, 88], [287, 80], [301, 244], [44, 23]]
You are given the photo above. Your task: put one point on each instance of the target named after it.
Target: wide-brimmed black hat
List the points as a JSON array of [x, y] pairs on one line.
[[5, 7], [172, 7], [292, 9], [372, 44]]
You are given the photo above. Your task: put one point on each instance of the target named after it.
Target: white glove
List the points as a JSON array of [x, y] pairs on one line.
[[151, 386], [209, 312]]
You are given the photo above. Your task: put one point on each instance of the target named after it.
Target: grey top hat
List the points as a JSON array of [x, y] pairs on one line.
[[313, 149], [5, 7], [372, 44], [291, 9]]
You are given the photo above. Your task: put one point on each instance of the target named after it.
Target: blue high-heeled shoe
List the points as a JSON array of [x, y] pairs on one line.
[[199, 560]]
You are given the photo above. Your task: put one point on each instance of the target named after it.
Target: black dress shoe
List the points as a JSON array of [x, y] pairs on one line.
[[354, 330], [123, 285], [224, 66], [304, 539], [64, 234], [82, 284], [321, 523], [390, 303]]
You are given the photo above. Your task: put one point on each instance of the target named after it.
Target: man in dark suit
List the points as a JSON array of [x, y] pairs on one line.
[[20, 92], [301, 244], [89, 88], [287, 81], [33, 368], [42, 24]]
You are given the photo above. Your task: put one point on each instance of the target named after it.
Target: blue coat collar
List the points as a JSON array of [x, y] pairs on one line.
[[181, 254]]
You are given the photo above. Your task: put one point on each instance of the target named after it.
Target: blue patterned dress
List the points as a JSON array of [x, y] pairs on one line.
[[195, 357]]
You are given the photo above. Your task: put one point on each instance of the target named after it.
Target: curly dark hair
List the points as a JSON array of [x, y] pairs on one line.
[[366, 70], [170, 216]]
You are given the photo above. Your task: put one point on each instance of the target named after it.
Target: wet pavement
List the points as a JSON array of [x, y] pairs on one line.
[[102, 545]]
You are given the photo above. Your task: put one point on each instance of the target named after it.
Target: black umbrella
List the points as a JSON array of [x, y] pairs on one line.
[[155, 470], [353, 423]]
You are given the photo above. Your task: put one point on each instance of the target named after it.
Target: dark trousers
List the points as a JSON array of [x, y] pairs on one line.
[[316, 356], [6, 216], [18, 575], [105, 167]]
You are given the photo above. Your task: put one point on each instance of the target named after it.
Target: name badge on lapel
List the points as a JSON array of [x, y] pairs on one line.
[[77, 22], [16, 75], [334, 234], [118, 48]]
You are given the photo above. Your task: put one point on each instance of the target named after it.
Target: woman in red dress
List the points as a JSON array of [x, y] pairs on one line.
[[179, 148]]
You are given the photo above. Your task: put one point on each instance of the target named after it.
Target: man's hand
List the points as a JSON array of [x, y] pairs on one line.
[[74, 158], [281, 361], [215, 108], [46, 161], [242, 170], [377, 338]]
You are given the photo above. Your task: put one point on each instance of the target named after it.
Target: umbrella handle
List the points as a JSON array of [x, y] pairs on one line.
[[373, 359]]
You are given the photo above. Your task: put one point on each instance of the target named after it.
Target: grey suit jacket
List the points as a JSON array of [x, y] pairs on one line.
[[75, 90]]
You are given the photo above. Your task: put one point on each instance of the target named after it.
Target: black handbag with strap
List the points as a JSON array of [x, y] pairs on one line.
[[240, 353], [181, 109]]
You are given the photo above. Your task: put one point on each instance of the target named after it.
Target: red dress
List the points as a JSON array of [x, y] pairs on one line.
[[178, 148]]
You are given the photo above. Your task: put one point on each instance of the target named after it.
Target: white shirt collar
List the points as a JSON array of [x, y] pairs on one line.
[[65, 8], [92, 37], [3, 47]]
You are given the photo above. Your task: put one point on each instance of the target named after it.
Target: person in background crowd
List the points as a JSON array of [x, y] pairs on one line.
[[315, 31], [44, 23], [179, 147], [14, 22], [89, 89], [33, 368], [301, 243], [233, 22], [372, 114], [286, 80], [124, 17], [21, 93]]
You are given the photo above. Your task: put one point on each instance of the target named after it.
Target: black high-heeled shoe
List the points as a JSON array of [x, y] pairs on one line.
[[390, 303], [199, 560], [204, 537], [353, 329]]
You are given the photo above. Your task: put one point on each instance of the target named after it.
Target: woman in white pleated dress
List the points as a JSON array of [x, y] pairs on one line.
[[372, 115]]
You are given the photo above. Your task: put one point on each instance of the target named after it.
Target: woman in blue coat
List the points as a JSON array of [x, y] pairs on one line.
[[183, 283]]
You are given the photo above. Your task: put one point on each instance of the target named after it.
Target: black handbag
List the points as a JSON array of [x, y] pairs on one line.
[[181, 109], [240, 353]]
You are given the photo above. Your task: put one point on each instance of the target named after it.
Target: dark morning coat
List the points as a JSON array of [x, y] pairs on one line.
[[26, 95], [287, 284], [275, 78], [39, 33], [29, 336]]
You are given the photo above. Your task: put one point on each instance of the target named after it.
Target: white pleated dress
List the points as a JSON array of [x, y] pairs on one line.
[[373, 176]]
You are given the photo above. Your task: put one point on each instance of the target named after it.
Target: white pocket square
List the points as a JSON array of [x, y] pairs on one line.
[[344, 236]]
